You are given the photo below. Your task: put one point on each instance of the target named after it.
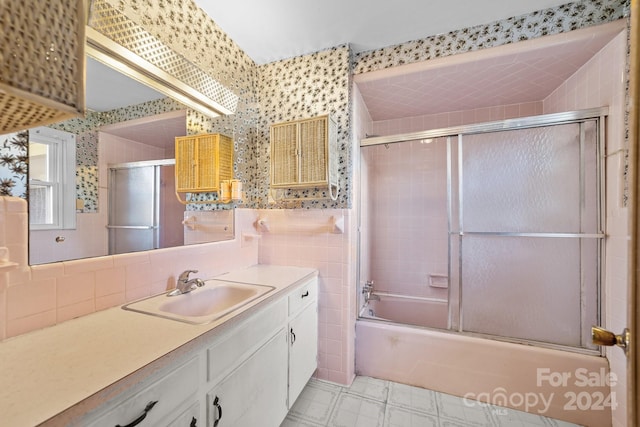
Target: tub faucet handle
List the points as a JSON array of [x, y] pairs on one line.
[[367, 287]]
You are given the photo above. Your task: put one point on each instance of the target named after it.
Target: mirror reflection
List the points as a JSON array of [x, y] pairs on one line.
[[120, 195]]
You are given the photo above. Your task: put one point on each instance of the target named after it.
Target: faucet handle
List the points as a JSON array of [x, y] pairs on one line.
[[184, 276], [368, 286]]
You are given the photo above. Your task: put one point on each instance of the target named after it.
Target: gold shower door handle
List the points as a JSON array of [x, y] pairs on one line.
[[600, 336]]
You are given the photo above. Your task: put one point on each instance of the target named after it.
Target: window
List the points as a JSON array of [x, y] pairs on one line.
[[52, 175]]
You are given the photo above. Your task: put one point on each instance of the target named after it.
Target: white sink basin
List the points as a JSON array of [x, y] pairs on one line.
[[202, 305]]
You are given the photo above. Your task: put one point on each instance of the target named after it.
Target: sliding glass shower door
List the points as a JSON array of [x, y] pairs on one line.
[[498, 223], [525, 232]]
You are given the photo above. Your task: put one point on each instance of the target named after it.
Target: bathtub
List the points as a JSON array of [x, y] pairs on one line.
[[559, 384], [428, 312]]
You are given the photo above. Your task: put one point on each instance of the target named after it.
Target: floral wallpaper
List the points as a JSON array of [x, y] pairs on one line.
[[305, 87], [298, 87], [13, 164], [196, 37], [561, 19]]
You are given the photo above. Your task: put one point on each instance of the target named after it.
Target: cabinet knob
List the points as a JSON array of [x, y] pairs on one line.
[[306, 294], [293, 337]]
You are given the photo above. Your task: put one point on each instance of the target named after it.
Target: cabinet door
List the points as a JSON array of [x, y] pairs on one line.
[[186, 163], [284, 155], [255, 394], [313, 151], [303, 350]]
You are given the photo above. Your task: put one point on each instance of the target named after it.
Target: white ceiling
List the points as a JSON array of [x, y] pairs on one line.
[[277, 29]]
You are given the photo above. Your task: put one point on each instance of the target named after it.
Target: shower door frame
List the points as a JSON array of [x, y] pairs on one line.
[[598, 114]]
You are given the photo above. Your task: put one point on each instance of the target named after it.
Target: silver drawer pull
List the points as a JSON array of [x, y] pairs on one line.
[[138, 420]]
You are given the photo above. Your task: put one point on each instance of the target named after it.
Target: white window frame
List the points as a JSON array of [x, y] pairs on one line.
[[62, 164]]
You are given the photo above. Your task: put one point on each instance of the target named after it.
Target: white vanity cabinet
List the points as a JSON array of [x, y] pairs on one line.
[[248, 374], [263, 389], [303, 337]]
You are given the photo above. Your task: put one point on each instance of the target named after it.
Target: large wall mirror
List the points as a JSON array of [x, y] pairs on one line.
[[104, 184]]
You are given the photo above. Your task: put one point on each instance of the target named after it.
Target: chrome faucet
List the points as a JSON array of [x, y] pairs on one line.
[[186, 285], [367, 291]]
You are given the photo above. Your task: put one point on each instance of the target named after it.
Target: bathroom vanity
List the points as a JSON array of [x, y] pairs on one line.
[[126, 368]]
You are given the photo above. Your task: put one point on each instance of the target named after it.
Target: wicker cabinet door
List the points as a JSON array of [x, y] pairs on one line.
[[206, 163], [186, 174], [284, 155], [313, 151]]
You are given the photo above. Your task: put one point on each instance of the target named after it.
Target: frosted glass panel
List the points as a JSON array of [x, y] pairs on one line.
[[524, 180], [528, 288]]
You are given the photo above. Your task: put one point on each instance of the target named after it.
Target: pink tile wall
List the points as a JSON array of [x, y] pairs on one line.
[[39, 296], [407, 223], [296, 239], [600, 82], [455, 118]]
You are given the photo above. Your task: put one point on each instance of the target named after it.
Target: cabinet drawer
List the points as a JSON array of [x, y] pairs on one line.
[[303, 296], [169, 393], [228, 350]]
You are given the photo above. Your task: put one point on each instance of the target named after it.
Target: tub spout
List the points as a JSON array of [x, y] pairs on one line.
[[372, 297]]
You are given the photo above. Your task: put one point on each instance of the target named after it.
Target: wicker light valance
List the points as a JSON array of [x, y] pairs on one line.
[[42, 62]]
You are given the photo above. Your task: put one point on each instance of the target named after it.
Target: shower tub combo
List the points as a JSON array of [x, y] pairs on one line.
[[512, 211]]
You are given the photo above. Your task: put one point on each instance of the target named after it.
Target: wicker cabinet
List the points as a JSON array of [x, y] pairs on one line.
[[303, 154], [202, 162]]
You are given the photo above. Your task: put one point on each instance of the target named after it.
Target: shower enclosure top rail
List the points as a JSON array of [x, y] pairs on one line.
[[502, 125]]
